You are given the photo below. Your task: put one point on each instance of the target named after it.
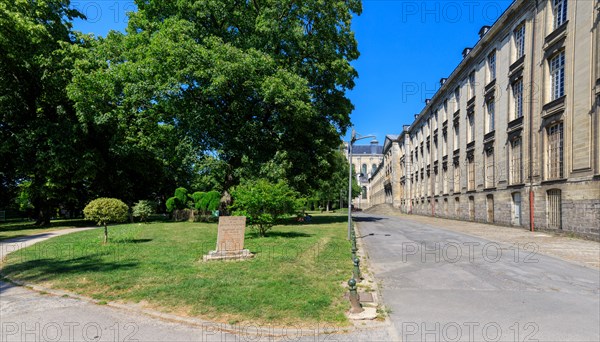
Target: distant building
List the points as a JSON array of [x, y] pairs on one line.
[[365, 160], [513, 134]]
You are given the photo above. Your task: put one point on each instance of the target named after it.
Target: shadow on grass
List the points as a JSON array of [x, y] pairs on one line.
[[133, 240], [317, 219], [44, 269], [275, 233]]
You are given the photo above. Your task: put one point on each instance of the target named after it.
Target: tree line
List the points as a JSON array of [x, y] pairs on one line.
[[195, 94]]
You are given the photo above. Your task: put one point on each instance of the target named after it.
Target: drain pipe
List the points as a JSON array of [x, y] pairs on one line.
[[532, 74]]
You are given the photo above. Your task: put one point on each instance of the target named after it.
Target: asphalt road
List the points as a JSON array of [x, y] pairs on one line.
[[447, 286]]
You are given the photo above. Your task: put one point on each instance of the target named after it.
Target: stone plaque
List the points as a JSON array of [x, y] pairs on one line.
[[230, 240], [230, 236]]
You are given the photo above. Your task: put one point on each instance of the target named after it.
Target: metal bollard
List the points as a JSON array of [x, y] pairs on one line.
[[354, 300], [356, 268]]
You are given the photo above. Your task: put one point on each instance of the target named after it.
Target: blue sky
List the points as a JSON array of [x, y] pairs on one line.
[[404, 44]]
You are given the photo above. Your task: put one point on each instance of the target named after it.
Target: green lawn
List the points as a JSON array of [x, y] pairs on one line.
[[294, 278], [9, 230]]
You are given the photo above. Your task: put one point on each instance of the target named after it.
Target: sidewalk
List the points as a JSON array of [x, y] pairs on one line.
[[583, 252]]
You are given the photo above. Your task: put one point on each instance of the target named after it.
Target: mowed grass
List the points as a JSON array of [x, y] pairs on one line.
[[9, 230], [294, 278]]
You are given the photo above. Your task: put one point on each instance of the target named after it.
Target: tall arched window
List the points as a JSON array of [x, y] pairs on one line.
[[364, 169], [364, 192], [373, 168]]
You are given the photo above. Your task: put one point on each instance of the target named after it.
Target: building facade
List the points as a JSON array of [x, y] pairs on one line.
[[512, 136], [365, 160]]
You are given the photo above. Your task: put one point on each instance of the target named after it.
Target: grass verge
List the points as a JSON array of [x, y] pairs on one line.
[[293, 279]]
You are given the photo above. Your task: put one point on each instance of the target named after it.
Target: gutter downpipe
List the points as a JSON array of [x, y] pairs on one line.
[[531, 73]]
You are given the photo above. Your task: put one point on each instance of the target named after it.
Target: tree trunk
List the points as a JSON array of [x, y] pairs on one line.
[[42, 212], [105, 234]]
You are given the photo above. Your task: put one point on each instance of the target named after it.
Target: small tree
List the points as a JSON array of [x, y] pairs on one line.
[[143, 209], [263, 203], [105, 210]]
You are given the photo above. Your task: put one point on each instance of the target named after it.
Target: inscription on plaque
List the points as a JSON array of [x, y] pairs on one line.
[[230, 236], [230, 240]]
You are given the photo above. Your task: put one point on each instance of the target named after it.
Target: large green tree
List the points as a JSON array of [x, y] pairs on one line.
[[248, 82], [40, 138]]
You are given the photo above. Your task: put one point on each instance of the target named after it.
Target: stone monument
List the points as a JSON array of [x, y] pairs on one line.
[[230, 240]]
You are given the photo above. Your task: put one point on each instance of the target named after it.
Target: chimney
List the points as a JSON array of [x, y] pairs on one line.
[[466, 52], [374, 144], [443, 81], [483, 31]]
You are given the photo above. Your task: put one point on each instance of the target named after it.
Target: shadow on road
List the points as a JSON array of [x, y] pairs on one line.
[[368, 219]]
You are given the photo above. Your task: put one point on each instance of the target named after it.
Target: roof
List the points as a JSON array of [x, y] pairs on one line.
[[366, 149]]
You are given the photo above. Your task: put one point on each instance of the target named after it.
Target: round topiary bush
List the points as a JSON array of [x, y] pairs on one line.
[[106, 210]]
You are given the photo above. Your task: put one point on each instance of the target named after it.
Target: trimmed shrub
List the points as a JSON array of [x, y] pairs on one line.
[[106, 210]]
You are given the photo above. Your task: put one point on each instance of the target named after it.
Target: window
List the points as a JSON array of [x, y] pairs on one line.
[[560, 12], [444, 143], [445, 115], [445, 180], [364, 169], [516, 163], [519, 35], [490, 208], [471, 174], [471, 208], [364, 192], [456, 99], [457, 207], [373, 168], [471, 130], [557, 75], [491, 59], [555, 152], [491, 112], [456, 178], [456, 134], [472, 84], [517, 89], [445, 207], [489, 168], [554, 209]]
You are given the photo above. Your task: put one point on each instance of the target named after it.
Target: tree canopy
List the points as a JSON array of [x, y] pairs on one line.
[[200, 94], [250, 81]]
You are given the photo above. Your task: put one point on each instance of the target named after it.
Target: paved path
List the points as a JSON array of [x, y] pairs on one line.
[[27, 315], [444, 285]]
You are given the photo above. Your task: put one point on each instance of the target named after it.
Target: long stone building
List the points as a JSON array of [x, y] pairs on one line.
[[512, 136]]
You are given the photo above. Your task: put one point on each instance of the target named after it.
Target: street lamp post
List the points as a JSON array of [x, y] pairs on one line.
[[353, 138]]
